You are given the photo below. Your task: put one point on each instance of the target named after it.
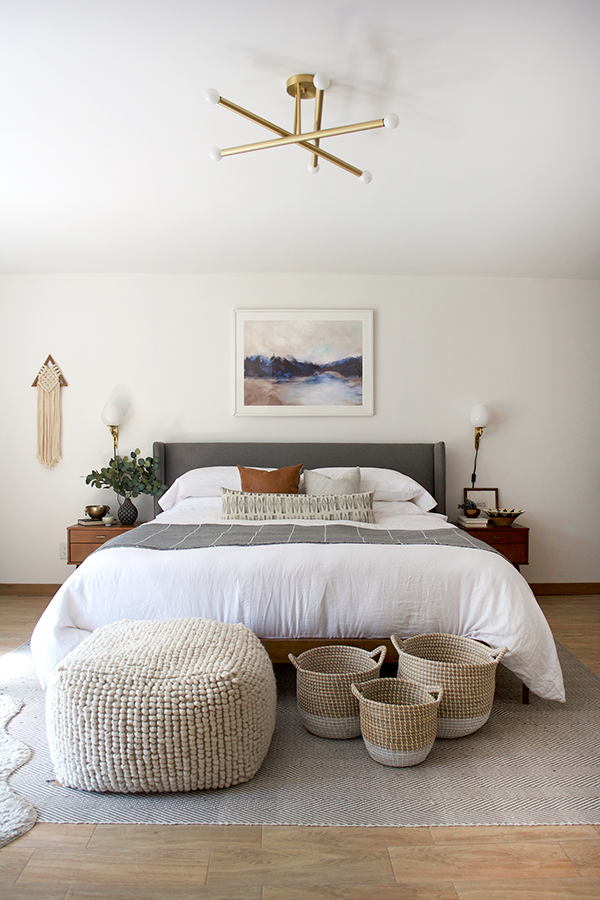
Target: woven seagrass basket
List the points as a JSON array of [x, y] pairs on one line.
[[466, 670], [398, 719], [323, 687]]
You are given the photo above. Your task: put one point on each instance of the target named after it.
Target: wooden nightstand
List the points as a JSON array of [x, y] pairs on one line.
[[84, 539], [511, 540]]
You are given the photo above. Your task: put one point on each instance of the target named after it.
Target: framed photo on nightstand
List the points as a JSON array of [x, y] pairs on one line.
[[484, 498]]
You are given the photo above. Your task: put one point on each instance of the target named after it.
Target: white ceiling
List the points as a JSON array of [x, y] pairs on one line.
[[494, 169]]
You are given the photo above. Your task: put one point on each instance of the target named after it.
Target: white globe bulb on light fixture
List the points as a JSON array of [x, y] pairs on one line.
[[391, 121], [314, 169], [215, 154], [112, 415], [212, 96], [366, 177], [481, 416], [321, 81]]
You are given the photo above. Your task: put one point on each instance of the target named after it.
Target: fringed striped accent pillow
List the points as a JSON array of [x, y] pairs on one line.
[[257, 507]]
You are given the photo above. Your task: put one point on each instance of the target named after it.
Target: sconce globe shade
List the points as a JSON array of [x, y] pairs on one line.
[[215, 154], [321, 81], [366, 177], [112, 414], [481, 416], [313, 169], [391, 121], [212, 96]]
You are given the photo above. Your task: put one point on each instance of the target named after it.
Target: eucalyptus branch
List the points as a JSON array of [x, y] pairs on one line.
[[128, 476]]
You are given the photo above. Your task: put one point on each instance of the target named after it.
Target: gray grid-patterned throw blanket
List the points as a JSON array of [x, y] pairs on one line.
[[256, 534]]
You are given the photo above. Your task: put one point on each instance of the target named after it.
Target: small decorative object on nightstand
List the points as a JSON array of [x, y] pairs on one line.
[[503, 516], [471, 509]]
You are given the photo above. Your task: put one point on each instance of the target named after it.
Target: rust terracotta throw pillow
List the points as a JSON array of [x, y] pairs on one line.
[[279, 481]]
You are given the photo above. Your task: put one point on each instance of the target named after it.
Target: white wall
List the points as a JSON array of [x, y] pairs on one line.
[[162, 345]]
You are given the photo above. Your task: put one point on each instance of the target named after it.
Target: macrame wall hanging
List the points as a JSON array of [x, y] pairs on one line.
[[48, 382]]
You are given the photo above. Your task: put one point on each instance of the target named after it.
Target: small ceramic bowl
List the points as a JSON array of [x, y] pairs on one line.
[[503, 516]]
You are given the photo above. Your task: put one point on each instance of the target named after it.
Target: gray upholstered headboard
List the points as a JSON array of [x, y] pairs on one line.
[[426, 463]]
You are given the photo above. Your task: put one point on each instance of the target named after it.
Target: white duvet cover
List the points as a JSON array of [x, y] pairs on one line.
[[307, 590]]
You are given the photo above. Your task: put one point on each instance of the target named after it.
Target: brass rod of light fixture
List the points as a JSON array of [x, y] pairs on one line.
[[298, 111], [300, 138], [318, 117], [252, 116], [270, 126], [114, 430]]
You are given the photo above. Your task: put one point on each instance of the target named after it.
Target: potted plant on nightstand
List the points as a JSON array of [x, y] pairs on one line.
[[128, 476], [471, 509]]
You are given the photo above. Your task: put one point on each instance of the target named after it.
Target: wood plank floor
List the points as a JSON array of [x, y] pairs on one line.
[[197, 862]]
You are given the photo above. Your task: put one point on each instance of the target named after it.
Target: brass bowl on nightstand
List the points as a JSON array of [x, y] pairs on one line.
[[96, 512], [503, 516]]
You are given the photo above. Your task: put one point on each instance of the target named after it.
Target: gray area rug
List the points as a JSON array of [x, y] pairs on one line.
[[529, 765]]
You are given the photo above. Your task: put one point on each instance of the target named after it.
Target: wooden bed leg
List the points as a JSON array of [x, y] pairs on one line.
[[525, 694]]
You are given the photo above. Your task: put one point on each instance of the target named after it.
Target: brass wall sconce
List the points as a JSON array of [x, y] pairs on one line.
[[301, 87], [481, 417], [112, 415]]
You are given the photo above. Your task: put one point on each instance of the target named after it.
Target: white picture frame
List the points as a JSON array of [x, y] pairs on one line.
[[303, 362]]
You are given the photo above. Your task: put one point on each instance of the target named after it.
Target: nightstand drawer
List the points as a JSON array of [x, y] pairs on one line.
[[496, 534], [84, 539], [90, 534], [512, 541]]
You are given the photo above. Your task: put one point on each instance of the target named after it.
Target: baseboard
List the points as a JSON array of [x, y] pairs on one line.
[[553, 588], [28, 590]]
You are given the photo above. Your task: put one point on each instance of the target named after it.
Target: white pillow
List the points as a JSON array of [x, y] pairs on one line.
[[388, 485], [316, 483], [398, 508], [204, 482], [198, 504]]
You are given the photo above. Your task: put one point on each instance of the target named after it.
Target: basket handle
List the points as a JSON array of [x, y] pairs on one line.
[[293, 660], [381, 650], [356, 691], [498, 653], [436, 689], [398, 644]]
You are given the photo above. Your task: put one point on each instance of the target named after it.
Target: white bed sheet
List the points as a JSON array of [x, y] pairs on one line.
[[317, 591]]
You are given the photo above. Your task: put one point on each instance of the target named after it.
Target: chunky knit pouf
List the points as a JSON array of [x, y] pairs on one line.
[[168, 705]]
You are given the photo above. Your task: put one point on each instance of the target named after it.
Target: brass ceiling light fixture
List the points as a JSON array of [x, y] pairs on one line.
[[301, 87]]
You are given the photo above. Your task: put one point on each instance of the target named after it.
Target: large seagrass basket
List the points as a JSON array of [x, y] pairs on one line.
[[398, 719], [466, 670], [323, 687]]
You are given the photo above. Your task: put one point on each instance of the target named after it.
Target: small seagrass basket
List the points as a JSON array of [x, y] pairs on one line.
[[466, 670], [323, 687], [398, 719]]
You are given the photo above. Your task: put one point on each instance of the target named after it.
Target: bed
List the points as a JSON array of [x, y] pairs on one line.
[[299, 583]]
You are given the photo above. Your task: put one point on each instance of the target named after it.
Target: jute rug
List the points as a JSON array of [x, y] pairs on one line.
[[529, 765]]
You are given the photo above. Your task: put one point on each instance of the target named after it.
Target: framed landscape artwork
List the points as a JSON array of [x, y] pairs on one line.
[[304, 362]]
